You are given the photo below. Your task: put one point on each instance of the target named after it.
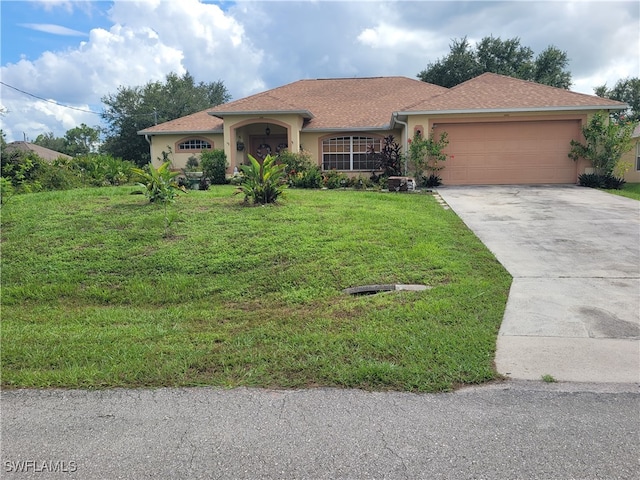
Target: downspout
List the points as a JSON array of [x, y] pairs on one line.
[[147, 137], [405, 141]]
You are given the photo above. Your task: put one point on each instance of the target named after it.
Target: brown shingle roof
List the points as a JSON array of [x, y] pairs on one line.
[[44, 153], [195, 123], [368, 103], [491, 91], [332, 104], [338, 103]]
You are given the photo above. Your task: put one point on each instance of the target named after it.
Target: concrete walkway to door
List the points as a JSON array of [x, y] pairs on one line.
[[574, 253]]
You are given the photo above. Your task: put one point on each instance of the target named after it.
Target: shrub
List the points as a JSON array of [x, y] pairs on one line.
[[612, 182], [389, 159], [300, 170], [432, 180], [214, 166], [334, 179], [595, 180], [263, 182], [6, 190]]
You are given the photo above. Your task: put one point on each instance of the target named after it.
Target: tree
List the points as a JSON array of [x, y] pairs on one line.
[[606, 142], [81, 140], [50, 141], [132, 109], [505, 57], [76, 141], [625, 90]]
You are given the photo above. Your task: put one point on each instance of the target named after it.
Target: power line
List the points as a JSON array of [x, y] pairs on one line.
[[111, 115], [50, 101]]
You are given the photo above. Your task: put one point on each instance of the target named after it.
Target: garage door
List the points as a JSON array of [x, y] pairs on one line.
[[509, 152]]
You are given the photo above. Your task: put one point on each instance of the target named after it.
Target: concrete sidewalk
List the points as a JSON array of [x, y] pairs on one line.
[[574, 254]]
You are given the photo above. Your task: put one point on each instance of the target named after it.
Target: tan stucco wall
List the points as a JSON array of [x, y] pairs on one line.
[[160, 143], [632, 175], [245, 127]]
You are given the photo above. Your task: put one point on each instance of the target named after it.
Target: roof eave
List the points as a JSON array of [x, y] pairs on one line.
[[514, 110], [347, 129], [303, 113], [178, 132]]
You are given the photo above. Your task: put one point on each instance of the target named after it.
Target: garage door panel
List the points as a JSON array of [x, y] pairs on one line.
[[509, 152]]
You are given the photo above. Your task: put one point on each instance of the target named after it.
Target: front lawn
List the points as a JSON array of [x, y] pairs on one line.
[[630, 190], [94, 295]]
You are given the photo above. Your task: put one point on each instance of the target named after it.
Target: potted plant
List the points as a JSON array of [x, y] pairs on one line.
[[192, 173]]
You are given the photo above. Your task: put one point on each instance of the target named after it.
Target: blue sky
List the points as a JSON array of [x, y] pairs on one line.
[[76, 52]]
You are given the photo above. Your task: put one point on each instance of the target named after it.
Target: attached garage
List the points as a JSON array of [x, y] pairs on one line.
[[514, 152]]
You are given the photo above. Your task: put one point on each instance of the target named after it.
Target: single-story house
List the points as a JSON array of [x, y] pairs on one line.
[[501, 130], [632, 158], [44, 153]]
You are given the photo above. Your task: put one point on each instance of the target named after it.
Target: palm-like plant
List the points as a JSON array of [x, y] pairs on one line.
[[160, 186], [263, 182]]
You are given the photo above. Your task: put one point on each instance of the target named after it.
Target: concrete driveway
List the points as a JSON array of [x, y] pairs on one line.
[[574, 254]]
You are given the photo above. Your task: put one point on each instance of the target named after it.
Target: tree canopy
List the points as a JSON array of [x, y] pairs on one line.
[[132, 109], [77, 141], [625, 90], [505, 57]]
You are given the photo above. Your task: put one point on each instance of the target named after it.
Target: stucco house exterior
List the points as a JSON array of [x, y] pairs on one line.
[[501, 130], [632, 158]]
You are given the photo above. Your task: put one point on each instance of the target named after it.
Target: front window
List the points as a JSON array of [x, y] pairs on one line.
[[349, 153], [638, 156], [194, 144]]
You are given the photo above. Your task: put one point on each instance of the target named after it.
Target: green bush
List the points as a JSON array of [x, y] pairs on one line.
[[595, 180], [6, 190], [214, 166], [334, 179], [263, 182], [300, 171]]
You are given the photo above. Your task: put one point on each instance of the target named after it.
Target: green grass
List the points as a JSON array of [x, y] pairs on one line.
[[630, 190], [94, 295]]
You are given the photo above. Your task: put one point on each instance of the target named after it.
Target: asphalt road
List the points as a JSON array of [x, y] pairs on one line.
[[510, 430]]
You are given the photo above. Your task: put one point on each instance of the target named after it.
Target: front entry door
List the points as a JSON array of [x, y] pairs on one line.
[[261, 146]]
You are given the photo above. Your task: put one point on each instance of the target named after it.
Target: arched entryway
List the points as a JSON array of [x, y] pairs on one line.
[[259, 138]]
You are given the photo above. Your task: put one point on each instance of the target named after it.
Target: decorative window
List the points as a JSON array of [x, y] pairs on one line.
[[349, 153], [194, 144]]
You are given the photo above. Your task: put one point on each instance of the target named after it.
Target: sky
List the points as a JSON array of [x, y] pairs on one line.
[[59, 58]]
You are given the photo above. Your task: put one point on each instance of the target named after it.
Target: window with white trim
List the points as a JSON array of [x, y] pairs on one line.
[[638, 156], [194, 144], [350, 153]]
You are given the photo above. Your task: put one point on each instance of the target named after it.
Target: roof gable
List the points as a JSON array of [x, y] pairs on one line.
[[491, 91]]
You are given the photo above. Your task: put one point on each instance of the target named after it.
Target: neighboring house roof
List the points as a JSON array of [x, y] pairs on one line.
[[490, 91], [370, 103], [42, 152]]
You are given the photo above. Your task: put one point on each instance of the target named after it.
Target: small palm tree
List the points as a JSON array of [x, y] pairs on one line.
[[160, 186], [263, 182]]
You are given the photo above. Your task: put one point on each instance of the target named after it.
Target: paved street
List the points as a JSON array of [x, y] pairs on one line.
[[516, 430]]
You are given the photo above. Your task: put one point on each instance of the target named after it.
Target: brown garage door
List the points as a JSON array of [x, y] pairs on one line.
[[509, 152]]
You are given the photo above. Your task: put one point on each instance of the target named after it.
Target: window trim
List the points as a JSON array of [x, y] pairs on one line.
[[325, 150], [184, 140]]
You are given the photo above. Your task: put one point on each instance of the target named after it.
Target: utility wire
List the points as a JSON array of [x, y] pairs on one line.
[[154, 114], [50, 101]]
